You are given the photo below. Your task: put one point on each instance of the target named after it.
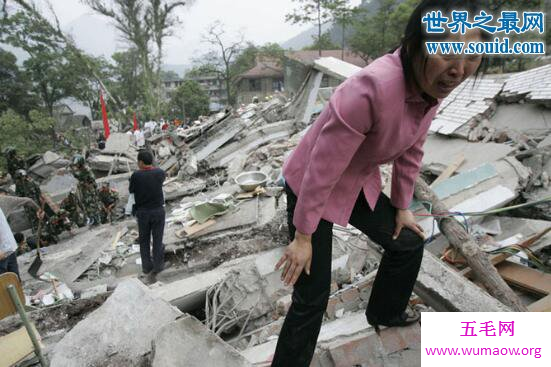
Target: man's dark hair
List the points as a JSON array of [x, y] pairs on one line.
[[19, 237], [146, 157], [413, 41]]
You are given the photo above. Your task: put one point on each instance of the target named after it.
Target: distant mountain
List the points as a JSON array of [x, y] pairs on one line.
[[305, 39]]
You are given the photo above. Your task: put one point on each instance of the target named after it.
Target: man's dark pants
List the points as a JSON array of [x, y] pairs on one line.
[[9, 265], [391, 289], [151, 224]]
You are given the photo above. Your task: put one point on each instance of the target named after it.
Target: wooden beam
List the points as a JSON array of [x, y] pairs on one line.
[[465, 244], [543, 305], [528, 279], [449, 170]]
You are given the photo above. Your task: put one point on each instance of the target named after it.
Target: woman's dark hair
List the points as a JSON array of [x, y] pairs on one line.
[[413, 42], [146, 157]]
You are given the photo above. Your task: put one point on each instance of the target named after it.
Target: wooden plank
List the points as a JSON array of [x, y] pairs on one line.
[[14, 347], [525, 278], [450, 169], [543, 305], [6, 305], [196, 228]]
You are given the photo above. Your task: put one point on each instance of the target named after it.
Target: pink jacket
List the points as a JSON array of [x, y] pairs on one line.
[[371, 119]]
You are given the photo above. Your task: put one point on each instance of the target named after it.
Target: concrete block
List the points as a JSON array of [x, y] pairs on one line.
[[119, 333], [188, 343]]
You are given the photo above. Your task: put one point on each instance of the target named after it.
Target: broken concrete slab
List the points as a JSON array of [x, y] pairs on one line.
[[119, 333], [348, 325], [47, 164], [72, 257], [446, 290], [118, 164], [529, 119], [219, 136], [188, 343], [59, 185], [189, 293], [441, 151], [466, 103], [493, 198], [176, 189], [532, 85], [394, 347], [336, 68], [253, 139], [118, 143]]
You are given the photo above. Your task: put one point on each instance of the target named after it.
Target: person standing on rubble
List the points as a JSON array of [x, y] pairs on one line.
[[380, 115], [147, 186], [87, 189]]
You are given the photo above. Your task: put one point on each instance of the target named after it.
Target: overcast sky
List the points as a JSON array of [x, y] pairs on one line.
[[261, 21]]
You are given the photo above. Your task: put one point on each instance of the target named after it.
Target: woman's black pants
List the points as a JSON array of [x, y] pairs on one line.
[[391, 289]]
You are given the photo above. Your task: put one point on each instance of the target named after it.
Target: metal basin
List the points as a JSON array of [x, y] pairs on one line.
[[248, 181]]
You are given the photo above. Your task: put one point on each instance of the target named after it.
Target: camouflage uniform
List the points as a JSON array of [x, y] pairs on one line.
[[26, 187], [55, 225], [109, 199], [87, 190], [74, 210], [13, 162]]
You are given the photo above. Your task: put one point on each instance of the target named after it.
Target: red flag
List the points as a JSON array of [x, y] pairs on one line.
[[104, 115], [135, 122]]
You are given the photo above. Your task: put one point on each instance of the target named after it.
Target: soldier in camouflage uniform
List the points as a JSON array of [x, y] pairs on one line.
[[109, 199], [26, 187], [55, 225], [74, 210], [13, 162], [87, 190]]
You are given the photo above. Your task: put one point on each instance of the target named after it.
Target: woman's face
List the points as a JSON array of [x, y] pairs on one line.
[[443, 73]]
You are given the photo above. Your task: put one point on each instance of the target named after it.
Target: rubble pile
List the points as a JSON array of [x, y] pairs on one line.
[[489, 148]]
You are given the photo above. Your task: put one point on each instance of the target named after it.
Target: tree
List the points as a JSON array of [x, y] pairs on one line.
[[310, 11], [375, 34], [221, 59], [190, 100], [28, 136], [343, 15], [126, 74], [55, 70], [15, 86], [144, 24], [160, 19], [323, 43]]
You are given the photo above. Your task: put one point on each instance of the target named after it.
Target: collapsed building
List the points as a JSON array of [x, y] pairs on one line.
[[222, 302]]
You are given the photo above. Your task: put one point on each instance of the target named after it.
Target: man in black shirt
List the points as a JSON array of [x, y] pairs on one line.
[[147, 186]]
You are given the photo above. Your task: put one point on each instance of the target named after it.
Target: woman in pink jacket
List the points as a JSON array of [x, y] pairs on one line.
[[380, 115]]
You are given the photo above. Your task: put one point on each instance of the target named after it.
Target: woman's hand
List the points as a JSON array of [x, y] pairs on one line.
[[297, 257], [405, 218]]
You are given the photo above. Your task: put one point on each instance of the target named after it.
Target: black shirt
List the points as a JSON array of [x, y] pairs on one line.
[[147, 187]]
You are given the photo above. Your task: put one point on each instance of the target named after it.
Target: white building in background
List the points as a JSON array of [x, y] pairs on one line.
[[212, 84]]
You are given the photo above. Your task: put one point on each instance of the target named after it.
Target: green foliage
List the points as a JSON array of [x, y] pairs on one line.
[[189, 101], [15, 86], [323, 43], [311, 11], [27, 136], [375, 34]]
